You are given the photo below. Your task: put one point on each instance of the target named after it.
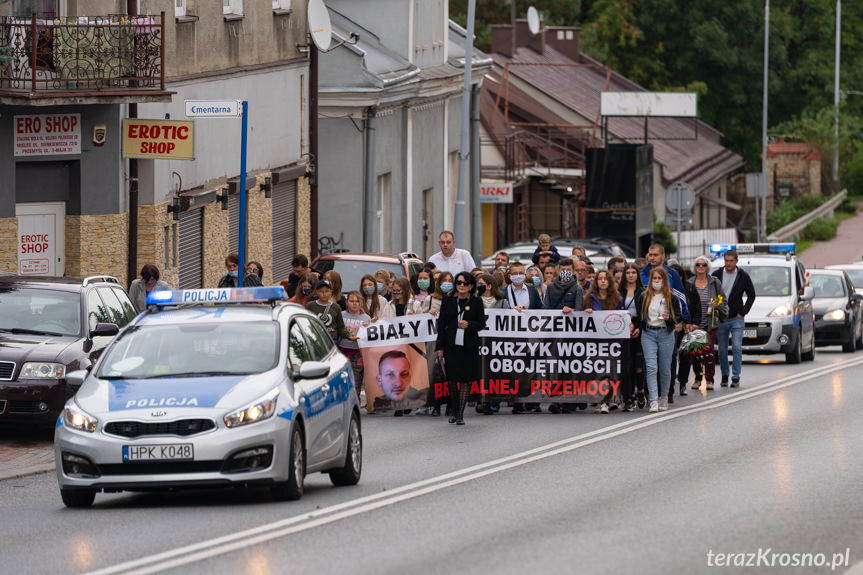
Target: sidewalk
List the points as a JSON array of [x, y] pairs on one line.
[[845, 248], [25, 453]]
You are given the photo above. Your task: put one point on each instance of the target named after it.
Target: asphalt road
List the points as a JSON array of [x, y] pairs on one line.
[[774, 467]]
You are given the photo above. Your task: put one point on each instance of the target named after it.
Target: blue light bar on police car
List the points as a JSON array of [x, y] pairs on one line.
[[782, 249], [221, 295]]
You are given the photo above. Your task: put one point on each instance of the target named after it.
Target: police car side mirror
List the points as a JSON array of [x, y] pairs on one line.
[[808, 293], [313, 370], [105, 329], [76, 378], [857, 297]]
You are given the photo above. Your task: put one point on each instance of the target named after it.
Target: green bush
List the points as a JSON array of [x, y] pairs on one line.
[[820, 230], [662, 235], [786, 211], [847, 206]]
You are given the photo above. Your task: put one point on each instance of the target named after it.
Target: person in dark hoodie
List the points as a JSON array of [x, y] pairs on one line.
[[564, 294]]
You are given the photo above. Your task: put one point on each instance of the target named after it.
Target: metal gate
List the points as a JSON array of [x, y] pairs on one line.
[[192, 249], [284, 228]]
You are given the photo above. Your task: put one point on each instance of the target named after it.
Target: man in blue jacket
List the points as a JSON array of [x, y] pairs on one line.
[[655, 258]]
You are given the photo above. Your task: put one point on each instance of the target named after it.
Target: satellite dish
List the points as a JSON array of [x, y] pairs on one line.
[[533, 21], [319, 25]]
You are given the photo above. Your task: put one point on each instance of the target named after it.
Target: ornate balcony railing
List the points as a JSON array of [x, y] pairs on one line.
[[82, 55]]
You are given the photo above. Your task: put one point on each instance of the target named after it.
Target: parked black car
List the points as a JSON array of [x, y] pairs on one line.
[[48, 328], [838, 310]]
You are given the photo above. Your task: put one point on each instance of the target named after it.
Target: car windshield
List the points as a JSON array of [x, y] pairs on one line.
[[352, 271], [770, 280], [827, 286], [52, 312], [856, 277], [190, 350]]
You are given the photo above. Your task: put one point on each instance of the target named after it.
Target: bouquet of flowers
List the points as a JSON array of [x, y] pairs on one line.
[[695, 343], [720, 311]]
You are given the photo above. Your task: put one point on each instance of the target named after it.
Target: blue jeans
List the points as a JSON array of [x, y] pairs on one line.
[[734, 326], [658, 347]]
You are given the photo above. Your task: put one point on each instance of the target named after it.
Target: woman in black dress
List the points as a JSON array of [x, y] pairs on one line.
[[461, 318]]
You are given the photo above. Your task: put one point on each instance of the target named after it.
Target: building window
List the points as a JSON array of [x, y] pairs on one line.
[[281, 4], [179, 8], [232, 7], [41, 8]]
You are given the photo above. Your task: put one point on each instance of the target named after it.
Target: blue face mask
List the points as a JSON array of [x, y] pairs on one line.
[[446, 287], [537, 280], [233, 274], [423, 284], [380, 287]]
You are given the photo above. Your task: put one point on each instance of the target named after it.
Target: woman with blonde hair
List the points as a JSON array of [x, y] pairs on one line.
[[403, 302], [660, 318]]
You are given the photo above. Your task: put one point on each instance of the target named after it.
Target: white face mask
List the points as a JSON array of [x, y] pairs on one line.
[[657, 285], [517, 279]]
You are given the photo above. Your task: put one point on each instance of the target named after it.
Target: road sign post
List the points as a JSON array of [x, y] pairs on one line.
[[229, 109], [680, 199]]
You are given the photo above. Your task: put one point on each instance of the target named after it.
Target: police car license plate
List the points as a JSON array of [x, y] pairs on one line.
[[158, 452], [750, 333]]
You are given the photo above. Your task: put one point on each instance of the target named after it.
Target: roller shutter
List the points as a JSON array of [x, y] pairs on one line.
[[192, 249], [284, 228]]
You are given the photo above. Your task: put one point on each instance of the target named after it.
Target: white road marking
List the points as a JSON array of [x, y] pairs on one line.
[[235, 541]]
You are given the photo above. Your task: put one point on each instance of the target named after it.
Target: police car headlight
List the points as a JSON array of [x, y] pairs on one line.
[[77, 419], [781, 311], [262, 409], [34, 370], [835, 315]]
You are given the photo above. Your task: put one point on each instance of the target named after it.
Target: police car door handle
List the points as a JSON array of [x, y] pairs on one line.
[[325, 388], [344, 376]]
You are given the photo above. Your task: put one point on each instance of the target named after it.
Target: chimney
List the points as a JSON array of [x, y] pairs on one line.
[[501, 38], [564, 39]]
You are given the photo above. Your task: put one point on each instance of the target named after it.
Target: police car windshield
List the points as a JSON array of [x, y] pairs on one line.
[[188, 350], [40, 311], [770, 280]]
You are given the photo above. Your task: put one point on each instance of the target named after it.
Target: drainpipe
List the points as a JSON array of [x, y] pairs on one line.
[[313, 147], [370, 192], [132, 267], [475, 206]]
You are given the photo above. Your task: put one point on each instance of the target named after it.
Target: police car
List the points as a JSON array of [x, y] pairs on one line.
[[781, 319], [198, 391]]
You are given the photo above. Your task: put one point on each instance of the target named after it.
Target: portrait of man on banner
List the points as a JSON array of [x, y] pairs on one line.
[[396, 377]]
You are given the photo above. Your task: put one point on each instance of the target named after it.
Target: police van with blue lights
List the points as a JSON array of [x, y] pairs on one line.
[[199, 391], [781, 319]]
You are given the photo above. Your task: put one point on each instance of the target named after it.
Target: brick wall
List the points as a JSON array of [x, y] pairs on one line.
[[9, 238], [97, 245], [304, 220], [260, 230], [152, 221]]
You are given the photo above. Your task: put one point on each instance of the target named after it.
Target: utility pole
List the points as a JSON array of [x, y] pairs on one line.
[[464, 149], [836, 97], [762, 225]]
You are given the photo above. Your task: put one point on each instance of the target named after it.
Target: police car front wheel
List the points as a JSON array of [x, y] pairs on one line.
[[292, 489], [350, 473]]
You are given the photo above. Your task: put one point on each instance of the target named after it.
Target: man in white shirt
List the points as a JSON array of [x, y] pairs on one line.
[[450, 258]]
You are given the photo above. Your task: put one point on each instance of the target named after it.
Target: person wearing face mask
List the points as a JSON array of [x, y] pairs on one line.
[[461, 319], [659, 318], [305, 291], [232, 264], [603, 295], [382, 277], [443, 287], [521, 296], [487, 288], [564, 293], [423, 286], [373, 302], [403, 302]]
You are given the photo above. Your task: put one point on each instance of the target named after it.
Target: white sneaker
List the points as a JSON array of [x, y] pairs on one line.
[[603, 408], [663, 404], [654, 406]]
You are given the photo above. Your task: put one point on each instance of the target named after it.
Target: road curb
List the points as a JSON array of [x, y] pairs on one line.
[[29, 470]]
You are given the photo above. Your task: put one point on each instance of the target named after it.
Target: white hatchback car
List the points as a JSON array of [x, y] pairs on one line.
[[201, 392]]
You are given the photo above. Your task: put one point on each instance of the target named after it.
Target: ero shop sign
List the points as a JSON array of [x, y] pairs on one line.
[[47, 134], [158, 139]]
